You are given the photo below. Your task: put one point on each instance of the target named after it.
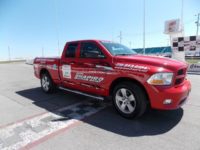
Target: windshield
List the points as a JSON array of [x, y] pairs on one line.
[[118, 49]]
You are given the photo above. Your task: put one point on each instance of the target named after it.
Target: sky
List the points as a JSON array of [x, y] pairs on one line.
[[33, 28]]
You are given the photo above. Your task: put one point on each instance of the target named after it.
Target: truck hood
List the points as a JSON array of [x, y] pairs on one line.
[[156, 61]]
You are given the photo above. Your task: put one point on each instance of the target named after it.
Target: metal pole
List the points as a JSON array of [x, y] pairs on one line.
[[144, 16], [170, 39], [9, 58], [42, 51], [112, 37], [182, 26], [57, 28], [120, 37], [58, 47], [130, 43], [198, 24]]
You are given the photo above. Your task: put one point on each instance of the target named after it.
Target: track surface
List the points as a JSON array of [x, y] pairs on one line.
[[31, 119]]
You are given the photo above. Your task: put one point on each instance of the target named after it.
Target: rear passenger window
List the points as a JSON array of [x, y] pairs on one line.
[[71, 50]]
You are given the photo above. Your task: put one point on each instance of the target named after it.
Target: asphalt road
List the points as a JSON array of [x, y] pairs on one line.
[[30, 119]]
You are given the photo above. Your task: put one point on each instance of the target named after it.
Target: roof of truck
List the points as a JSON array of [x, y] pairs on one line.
[[96, 40]]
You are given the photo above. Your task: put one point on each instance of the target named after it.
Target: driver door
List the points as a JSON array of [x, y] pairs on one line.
[[89, 75]]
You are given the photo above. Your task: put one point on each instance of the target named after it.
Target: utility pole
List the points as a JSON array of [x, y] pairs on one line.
[[198, 24], [182, 22], [112, 36], [58, 46], [144, 18], [168, 42], [42, 51], [130, 43], [57, 26], [120, 37], [9, 58]]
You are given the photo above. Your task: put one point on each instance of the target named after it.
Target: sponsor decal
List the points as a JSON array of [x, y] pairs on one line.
[[132, 67], [81, 76], [52, 67], [45, 59], [55, 67], [106, 68], [194, 68], [66, 71]]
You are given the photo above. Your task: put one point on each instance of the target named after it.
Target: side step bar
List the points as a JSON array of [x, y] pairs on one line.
[[82, 93]]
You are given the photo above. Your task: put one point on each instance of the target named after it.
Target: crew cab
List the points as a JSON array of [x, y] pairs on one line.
[[101, 69]]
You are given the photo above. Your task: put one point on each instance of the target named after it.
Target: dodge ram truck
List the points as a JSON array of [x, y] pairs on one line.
[[103, 69]]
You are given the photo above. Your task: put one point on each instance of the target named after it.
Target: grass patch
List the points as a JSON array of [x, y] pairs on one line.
[[193, 61]]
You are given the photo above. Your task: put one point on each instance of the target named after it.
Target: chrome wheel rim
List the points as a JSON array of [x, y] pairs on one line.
[[125, 100], [45, 83]]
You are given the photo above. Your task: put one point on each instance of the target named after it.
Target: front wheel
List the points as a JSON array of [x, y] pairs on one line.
[[47, 84], [129, 99]]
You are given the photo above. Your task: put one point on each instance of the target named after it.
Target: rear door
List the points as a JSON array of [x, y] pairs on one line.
[[68, 65]]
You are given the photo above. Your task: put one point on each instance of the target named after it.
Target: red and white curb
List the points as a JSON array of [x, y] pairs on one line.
[[23, 134]]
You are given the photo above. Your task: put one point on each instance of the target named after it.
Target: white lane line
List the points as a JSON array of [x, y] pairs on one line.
[[19, 135]]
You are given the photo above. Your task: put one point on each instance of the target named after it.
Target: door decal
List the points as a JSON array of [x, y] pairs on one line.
[[66, 71], [81, 76]]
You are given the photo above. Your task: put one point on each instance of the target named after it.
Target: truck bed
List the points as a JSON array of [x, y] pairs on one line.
[[51, 64]]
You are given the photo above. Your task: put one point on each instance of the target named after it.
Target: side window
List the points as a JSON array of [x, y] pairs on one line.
[[71, 50], [90, 50]]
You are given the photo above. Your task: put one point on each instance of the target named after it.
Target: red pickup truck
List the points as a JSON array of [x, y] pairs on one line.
[[101, 69]]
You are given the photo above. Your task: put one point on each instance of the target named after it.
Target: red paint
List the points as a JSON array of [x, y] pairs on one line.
[[149, 64], [35, 143], [47, 137], [22, 120]]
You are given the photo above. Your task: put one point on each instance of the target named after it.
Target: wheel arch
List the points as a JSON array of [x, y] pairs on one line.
[[44, 70], [126, 79]]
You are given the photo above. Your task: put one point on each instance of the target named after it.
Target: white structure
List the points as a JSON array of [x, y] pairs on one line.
[[175, 29]]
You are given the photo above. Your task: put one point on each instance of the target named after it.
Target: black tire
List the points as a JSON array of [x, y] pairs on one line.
[[47, 84], [127, 105]]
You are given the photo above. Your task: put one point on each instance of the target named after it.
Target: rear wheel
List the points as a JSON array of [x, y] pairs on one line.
[[47, 84], [129, 99]]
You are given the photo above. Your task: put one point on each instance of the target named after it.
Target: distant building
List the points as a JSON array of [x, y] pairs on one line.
[[159, 51], [154, 50]]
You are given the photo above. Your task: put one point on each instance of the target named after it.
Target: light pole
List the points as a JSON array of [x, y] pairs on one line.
[[198, 24], [9, 58], [42, 51], [120, 37], [130, 43], [57, 26], [144, 17], [182, 8]]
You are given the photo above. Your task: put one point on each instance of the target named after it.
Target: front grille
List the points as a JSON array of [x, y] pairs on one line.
[[179, 81], [180, 72], [180, 76]]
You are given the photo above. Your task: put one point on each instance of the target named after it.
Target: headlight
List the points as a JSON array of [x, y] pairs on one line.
[[161, 79]]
